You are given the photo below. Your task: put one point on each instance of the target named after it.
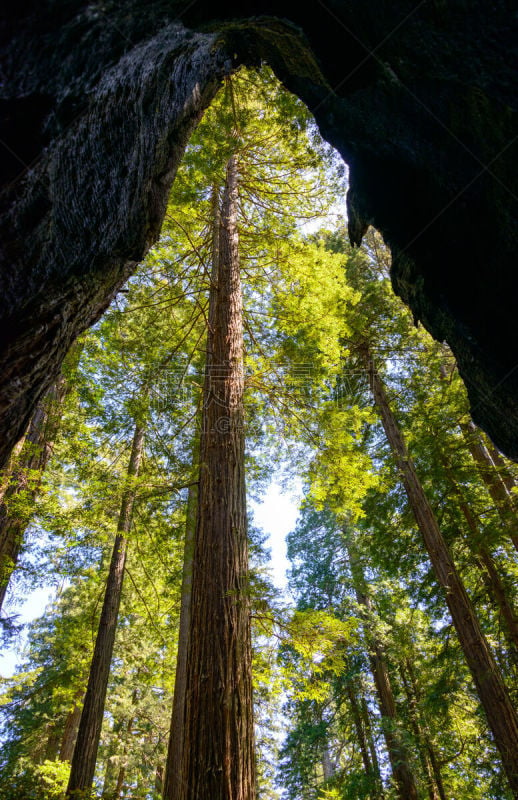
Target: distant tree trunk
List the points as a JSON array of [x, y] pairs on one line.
[[112, 767], [429, 762], [489, 683], [328, 768], [358, 727], [87, 743], [23, 483], [68, 740], [159, 779], [496, 485], [406, 787], [50, 751], [111, 792], [503, 470], [495, 585], [176, 733], [363, 730], [171, 785], [367, 726], [218, 754]]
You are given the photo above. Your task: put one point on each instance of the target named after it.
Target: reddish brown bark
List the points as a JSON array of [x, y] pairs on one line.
[[491, 689], [218, 753], [87, 743], [172, 784]]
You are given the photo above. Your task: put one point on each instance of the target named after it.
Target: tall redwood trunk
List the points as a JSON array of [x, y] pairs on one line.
[[406, 787], [29, 462], [87, 743], [172, 784], [218, 752], [491, 689]]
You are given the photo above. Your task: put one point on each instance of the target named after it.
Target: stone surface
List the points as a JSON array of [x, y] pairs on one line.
[[98, 100]]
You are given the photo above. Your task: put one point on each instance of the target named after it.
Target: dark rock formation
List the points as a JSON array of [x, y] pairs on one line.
[[99, 98]]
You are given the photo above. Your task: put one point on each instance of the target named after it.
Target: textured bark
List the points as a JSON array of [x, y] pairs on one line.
[[491, 689], [218, 753], [176, 732], [25, 479], [98, 99], [406, 787], [87, 743], [172, 784]]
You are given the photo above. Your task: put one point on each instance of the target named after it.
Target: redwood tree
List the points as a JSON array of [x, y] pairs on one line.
[[494, 697], [87, 742], [218, 752]]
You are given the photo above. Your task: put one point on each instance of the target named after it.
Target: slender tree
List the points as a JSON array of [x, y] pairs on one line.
[[406, 785], [491, 689], [428, 756], [87, 742]]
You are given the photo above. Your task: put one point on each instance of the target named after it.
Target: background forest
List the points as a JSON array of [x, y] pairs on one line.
[[388, 668]]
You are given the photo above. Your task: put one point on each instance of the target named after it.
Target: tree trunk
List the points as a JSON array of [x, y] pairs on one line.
[[494, 697], [427, 757], [399, 758], [363, 729], [504, 472], [328, 768], [367, 726], [432, 757], [171, 785], [358, 727], [218, 753], [68, 740], [496, 486], [24, 481], [87, 743], [176, 732], [494, 583]]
